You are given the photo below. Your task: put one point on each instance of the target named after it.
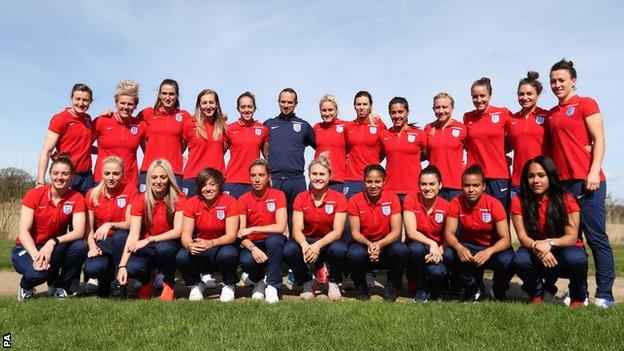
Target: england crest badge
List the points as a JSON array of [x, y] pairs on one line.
[[439, 217], [297, 127], [372, 129], [339, 128], [455, 132], [134, 130], [329, 208], [486, 217], [121, 202], [385, 209], [495, 118], [67, 208], [540, 119], [179, 117], [220, 214], [258, 131], [570, 111], [411, 138], [270, 206]]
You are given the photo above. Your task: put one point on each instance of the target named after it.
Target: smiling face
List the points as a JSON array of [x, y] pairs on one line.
[[111, 175], [374, 181], [80, 102], [472, 187], [480, 97], [329, 112], [443, 109], [319, 177], [208, 105], [398, 115], [429, 186], [60, 175], [125, 106], [159, 181], [287, 103], [168, 96], [537, 179], [246, 108], [562, 84], [211, 190], [362, 107], [527, 97], [259, 178]]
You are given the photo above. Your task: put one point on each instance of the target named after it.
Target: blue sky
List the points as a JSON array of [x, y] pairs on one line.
[[390, 48]]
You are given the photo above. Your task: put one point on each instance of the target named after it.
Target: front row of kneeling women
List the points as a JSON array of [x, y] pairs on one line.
[[132, 236]]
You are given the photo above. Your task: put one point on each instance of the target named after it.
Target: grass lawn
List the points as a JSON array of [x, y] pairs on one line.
[[182, 325], [5, 254]]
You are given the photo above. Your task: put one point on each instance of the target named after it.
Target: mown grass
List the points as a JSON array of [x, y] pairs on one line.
[[5, 254], [182, 325]]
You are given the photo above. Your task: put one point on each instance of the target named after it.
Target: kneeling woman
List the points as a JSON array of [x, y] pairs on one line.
[[375, 219], [318, 221], [262, 224], [44, 246], [209, 229], [108, 207], [546, 219], [155, 226], [484, 241], [424, 215]]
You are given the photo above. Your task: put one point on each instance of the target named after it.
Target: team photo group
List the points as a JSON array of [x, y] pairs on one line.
[[433, 230]]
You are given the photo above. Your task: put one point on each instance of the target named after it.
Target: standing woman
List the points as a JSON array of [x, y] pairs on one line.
[[424, 214], [205, 135], [403, 145], [526, 129], [363, 143], [578, 146], [155, 226], [209, 229], [446, 138], [318, 221], [165, 136], [484, 240], [330, 137], [121, 134], [44, 246], [108, 219], [245, 138], [486, 140], [546, 219], [375, 217], [69, 133], [262, 225]]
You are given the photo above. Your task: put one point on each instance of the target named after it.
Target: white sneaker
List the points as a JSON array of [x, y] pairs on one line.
[[333, 292], [245, 278], [209, 281], [59, 293], [197, 292], [227, 293], [24, 294], [158, 282], [258, 290], [308, 290], [603, 303], [271, 294], [567, 300]]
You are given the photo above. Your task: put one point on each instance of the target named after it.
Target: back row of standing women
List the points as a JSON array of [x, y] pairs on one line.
[[571, 133]]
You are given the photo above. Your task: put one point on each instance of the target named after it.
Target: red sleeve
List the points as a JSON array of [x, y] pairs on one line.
[[516, 206], [589, 107], [58, 124], [395, 204], [189, 207], [31, 199], [95, 127], [381, 123], [571, 204], [280, 201], [453, 209], [298, 203], [341, 203], [138, 206], [352, 207], [265, 134], [79, 203], [232, 207], [424, 141], [498, 211], [409, 204], [179, 206]]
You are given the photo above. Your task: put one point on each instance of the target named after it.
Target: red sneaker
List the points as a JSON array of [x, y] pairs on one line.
[[168, 292], [145, 291], [537, 300], [411, 285], [577, 304], [322, 275]]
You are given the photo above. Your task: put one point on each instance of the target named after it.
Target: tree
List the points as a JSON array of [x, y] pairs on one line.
[[14, 183]]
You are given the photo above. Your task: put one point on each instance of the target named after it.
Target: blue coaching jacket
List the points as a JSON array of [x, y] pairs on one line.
[[288, 138]]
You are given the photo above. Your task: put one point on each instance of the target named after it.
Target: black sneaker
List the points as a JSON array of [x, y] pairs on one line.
[[390, 294], [86, 289], [471, 294], [361, 293], [118, 291]]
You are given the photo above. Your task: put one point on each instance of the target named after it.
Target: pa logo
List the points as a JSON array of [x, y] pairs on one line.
[[6, 341]]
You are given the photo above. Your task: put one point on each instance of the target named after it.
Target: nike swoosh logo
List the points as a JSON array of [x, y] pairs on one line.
[[580, 196], [504, 189], [273, 127]]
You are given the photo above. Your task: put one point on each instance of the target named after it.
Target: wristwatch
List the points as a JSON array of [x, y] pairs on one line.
[[551, 242]]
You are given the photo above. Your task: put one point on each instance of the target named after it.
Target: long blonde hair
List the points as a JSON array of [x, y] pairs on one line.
[[171, 196], [97, 191], [219, 121]]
